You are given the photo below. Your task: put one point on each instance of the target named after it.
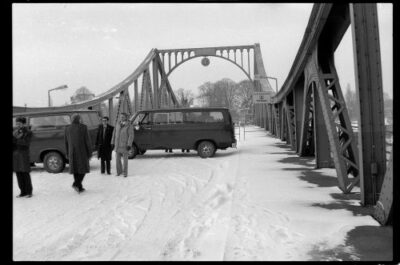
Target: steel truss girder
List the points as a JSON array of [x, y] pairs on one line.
[[291, 124], [146, 99], [306, 145], [124, 104], [165, 94], [283, 122], [270, 119], [275, 114], [336, 119]]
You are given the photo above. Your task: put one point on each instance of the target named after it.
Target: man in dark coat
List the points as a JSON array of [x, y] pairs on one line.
[[103, 144], [21, 162], [79, 150]]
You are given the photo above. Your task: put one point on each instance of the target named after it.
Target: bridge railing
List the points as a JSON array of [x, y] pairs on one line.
[[388, 138]]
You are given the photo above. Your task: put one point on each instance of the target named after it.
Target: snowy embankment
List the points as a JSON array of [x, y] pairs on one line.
[[257, 202]]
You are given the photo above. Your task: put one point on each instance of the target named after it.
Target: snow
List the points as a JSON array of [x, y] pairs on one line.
[[257, 202]]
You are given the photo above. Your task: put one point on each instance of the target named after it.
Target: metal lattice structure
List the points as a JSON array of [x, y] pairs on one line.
[[310, 113]]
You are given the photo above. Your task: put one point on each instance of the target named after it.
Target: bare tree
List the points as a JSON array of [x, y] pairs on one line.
[[184, 97], [245, 93]]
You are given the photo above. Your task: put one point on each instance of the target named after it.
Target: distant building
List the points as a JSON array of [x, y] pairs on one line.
[[82, 94]]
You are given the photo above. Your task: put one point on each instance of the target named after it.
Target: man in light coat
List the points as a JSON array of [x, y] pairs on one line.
[[79, 151], [122, 142]]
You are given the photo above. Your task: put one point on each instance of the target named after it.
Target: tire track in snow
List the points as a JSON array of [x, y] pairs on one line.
[[256, 232]]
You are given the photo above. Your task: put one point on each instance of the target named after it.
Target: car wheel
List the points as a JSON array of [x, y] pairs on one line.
[[133, 152], [206, 149], [53, 162]]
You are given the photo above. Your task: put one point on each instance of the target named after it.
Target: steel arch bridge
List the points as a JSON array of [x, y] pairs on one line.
[[308, 112]]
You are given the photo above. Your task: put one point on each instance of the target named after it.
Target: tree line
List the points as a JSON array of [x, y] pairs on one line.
[[352, 104], [223, 93]]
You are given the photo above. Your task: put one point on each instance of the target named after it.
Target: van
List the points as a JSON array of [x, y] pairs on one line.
[[48, 130], [202, 129]]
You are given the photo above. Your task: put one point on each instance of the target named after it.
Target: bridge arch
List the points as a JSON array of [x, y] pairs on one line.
[[217, 56]]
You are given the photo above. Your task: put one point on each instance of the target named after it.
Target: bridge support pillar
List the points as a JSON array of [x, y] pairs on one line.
[[323, 157], [368, 72], [298, 112]]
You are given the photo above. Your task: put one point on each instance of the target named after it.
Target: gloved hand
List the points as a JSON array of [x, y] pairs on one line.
[[128, 148]]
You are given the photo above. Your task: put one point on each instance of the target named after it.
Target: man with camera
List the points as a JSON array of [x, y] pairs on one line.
[[21, 162]]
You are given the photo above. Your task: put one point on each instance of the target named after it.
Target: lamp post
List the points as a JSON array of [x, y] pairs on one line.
[[56, 88], [276, 82]]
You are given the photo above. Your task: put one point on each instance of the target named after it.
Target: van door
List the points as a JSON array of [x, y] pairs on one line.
[[165, 130], [143, 131], [47, 133]]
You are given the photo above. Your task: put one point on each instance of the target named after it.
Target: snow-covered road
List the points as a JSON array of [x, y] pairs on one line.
[[257, 202]]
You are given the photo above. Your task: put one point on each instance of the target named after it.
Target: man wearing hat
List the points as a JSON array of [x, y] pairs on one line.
[[21, 162]]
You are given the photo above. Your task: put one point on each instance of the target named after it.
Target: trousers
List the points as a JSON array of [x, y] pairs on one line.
[[105, 164], [122, 169], [24, 182], [78, 178]]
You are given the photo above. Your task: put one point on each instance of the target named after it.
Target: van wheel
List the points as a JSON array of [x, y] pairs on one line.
[[141, 152], [206, 149], [53, 162], [133, 152]]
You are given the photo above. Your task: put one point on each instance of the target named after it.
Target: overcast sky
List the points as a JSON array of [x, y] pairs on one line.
[[99, 45]]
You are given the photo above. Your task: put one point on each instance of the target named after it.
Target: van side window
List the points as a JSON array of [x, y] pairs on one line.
[[204, 117], [62, 120], [95, 119], [216, 116], [175, 117], [85, 119], [48, 122], [160, 118]]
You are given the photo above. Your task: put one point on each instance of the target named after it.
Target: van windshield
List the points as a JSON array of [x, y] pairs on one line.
[[138, 118]]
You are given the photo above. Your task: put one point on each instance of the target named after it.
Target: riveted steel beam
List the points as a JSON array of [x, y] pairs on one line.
[[323, 157], [298, 109], [371, 135], [306, 144], [322, 72], [156, 90], [384, 207], [136, 95]]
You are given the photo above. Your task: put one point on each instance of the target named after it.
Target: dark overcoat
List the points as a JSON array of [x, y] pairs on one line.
[[21, 141], [103, 142], [78, 147]]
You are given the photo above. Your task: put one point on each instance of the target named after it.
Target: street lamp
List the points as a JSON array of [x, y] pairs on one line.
[[276, 82], [56, 88]]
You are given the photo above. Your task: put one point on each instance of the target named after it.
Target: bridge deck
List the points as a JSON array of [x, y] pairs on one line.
[[258, 202]]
